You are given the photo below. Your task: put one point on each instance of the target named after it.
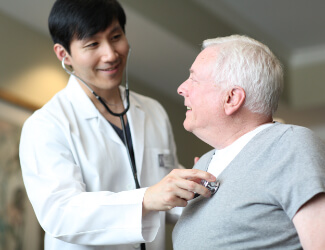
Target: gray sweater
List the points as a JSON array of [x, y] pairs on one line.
[[261, 190]]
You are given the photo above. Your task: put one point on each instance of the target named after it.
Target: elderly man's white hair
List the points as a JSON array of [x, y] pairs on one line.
[[245, 62]]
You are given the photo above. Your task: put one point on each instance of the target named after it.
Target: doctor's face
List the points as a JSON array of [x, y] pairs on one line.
[[203, 97], [100, 60]]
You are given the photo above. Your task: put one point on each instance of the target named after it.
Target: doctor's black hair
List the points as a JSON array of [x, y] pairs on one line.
[[70, 19]]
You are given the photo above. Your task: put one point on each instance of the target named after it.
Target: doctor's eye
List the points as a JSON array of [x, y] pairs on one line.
[[116, 37], [91, 45]]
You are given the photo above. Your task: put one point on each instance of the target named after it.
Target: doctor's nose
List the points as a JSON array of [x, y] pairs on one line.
[[110, 54]]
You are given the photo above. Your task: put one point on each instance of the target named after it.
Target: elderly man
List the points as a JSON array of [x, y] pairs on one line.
[[271, 175]]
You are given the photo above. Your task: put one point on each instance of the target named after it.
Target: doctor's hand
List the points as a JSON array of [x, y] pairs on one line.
[[176, 189]]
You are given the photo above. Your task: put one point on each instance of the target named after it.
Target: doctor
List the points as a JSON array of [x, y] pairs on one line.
[[74, 160]]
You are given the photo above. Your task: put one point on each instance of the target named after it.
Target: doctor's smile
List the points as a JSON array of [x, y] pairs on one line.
[[103, 156], [111, 70]]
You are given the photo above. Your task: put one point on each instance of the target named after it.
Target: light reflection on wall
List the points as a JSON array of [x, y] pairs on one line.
[[37, 85]]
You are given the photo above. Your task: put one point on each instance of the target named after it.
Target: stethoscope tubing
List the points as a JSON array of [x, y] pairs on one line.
[[133, 167], [97, 96]]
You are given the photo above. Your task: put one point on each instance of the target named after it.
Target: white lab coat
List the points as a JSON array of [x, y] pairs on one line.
[[78, 177]]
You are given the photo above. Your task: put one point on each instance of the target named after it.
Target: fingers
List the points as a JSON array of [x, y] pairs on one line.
[[189, 180], [191, 187], [196, 159], [193, 174], [176, 189]]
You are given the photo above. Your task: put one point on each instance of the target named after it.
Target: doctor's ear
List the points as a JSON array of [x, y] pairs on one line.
[[61, 52]]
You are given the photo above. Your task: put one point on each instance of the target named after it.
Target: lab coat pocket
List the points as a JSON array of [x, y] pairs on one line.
[[163, 158]]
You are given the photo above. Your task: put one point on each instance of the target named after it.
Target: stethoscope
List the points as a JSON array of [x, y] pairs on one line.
[[133, 167]]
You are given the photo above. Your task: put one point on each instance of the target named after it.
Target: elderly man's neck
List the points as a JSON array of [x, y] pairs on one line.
[[235, 127]]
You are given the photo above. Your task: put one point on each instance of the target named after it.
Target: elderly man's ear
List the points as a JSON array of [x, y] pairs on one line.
[[234, 100]]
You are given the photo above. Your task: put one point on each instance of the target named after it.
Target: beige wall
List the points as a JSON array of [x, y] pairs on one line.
[[306, 86], [28, 66]]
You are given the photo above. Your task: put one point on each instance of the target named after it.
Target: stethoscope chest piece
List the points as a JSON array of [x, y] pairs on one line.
[[212, 186]]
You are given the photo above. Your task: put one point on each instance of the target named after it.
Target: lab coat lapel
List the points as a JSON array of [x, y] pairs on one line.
[[136, 118], [86, 109], [108, 131]]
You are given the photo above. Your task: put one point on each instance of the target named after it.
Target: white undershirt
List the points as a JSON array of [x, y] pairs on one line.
[[223, 157]]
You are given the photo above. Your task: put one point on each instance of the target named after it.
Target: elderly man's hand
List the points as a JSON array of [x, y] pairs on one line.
[[176, 189]]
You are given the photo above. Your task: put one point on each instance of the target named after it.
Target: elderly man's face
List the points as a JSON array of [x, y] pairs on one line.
[[202, 95]]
